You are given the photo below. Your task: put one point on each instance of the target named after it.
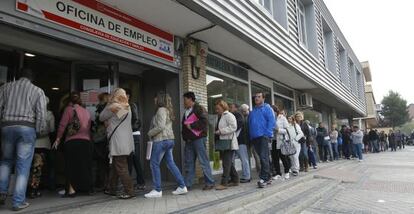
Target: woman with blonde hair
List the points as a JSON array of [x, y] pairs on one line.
[[226, 143], [162, 135], [117, 115]]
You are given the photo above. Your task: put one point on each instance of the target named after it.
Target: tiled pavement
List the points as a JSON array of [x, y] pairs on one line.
[[383, 183]]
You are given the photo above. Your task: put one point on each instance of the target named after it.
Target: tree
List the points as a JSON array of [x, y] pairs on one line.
[[394, 109]]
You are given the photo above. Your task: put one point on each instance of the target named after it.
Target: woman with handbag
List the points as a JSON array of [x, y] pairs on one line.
[[77, 148], [162, 135], [226, 143], [280, 133], [295, 134], [117, 115]]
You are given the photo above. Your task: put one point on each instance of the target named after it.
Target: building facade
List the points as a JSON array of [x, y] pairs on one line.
[[372, 118], [291, 49]]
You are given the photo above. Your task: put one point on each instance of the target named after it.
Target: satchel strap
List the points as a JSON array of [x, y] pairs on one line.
[[113, 132]]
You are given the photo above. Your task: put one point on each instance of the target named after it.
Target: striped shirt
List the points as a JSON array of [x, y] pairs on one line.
[[22, 103]]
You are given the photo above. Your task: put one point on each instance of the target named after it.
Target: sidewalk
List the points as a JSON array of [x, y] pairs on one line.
[[388, 172]]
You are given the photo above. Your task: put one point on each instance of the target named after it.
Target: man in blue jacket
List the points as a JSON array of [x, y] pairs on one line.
[[261, 124]]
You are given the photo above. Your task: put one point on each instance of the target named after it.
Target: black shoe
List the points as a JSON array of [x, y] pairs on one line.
[[295, 173], [3, 197], [21, 206], [208, 187], [245, 181]]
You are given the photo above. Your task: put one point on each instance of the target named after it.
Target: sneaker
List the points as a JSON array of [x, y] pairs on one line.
[[360, 160], [287, 176], [277, 177], [295, 173], [180, 191], [261, 183], [153, 194], [22, 206], [315, 167]]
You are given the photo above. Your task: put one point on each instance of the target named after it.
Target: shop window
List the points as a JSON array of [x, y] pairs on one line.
[[284, 104], [227, 67], [230, 90], [9, 63], [277, 88]]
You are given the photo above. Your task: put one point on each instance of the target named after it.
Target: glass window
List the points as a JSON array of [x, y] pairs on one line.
[[284, 104], [268, 5], [227, 67], [230, 90], [282, 90], [9, 62], [302, 24]]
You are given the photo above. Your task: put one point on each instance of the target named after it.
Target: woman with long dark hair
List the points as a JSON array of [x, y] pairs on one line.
[[75, 124], [162, 135]]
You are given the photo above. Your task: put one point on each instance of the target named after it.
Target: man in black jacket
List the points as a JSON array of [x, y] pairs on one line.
[[194, 131], [135, 159]]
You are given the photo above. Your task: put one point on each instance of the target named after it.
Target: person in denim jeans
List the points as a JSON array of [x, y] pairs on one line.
[[262, 121], [162, 135], [357, 136], [243, 140], [194, 134], [23, 113], [334, 143]]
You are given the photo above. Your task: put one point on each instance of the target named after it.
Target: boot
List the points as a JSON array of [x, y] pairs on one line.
[[306, 163]]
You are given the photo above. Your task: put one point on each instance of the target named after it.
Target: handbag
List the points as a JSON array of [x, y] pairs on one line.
[[223, 145], [74, 125], [301, 140], [287, 148]]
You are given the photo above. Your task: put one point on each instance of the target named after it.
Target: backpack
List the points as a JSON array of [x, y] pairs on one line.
[[287, 147]]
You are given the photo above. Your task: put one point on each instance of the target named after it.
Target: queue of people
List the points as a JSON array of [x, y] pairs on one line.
[[282, 145]]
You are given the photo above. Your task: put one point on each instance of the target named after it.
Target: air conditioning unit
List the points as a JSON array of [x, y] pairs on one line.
[[305, 100]]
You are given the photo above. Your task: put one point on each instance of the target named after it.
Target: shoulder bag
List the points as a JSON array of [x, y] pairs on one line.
[[287, 148]]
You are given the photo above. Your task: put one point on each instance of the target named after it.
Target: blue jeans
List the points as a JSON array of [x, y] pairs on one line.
[[193, 150], [159, 150], [312, 156], [335, 150], [261, 145], [244, 158], [358, 150], [19, 141]]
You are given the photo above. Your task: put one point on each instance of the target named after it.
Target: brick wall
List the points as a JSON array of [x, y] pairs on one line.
[[198, 86]]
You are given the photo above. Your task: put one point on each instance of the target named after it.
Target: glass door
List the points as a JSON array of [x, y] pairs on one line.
[[92, 79]]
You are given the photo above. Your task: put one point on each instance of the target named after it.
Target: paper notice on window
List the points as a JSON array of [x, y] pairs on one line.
[[91, 84]]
